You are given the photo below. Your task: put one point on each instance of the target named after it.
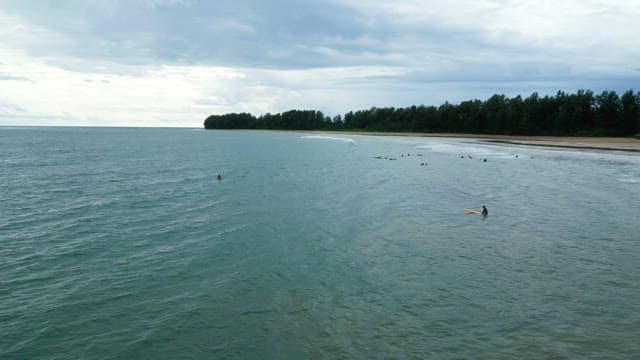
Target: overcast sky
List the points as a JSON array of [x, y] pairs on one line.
[[174, 62]]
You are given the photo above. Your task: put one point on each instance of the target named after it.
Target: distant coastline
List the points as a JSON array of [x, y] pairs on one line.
[[582, 114], [581, 120]]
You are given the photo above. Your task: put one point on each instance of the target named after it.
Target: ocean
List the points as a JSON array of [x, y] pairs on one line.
[[121, 243]]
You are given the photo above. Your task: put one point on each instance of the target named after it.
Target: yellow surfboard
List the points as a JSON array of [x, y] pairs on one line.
[[472, 211]]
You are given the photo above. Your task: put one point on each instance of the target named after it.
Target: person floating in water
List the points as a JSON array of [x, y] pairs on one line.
[[485, 212], [219, 177]]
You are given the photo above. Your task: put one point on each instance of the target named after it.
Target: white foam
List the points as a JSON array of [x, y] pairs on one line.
[[325, 137], [629, 180]]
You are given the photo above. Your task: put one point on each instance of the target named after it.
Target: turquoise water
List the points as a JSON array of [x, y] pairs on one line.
[[121, 244]]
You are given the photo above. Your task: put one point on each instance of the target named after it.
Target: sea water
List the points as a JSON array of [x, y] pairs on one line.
[[122, 244]]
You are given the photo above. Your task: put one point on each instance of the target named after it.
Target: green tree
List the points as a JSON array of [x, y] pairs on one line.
[[608, 113], [630, 113]]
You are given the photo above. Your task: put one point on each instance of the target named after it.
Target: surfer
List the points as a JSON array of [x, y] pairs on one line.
[[219, 177], [485, 212]]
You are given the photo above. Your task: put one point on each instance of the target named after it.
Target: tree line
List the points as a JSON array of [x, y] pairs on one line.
[[582, 113]]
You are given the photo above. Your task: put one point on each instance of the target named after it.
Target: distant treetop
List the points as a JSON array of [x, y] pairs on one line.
[[582, 113]]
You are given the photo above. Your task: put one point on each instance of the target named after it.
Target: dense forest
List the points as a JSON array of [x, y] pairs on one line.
[[582, 113]]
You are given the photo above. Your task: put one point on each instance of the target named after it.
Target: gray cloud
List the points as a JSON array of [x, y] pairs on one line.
[[285, 34], [279, 34], [282, 34]]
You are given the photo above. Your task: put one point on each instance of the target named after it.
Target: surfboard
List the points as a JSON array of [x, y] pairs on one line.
[[472, 211]]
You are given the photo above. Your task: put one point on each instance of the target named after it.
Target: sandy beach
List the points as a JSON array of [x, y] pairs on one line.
[[598, 143], [607, 143]]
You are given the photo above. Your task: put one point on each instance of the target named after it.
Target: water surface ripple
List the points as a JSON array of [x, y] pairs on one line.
[[121, 243]]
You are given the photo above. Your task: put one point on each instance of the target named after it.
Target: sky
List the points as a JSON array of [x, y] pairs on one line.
[[174, 62]]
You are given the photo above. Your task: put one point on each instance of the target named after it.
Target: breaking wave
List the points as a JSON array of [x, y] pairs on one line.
[[334, 138]]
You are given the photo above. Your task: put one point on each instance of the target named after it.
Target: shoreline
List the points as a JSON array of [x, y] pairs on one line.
[[586, 143]]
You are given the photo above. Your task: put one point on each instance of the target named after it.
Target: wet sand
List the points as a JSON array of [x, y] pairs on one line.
[[618, 144]]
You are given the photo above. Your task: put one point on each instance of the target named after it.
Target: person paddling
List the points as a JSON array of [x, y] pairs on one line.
[[485, 212]]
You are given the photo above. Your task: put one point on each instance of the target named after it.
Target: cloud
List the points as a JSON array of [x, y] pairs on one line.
[[229, 33], [176, 61], [284, 34]]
